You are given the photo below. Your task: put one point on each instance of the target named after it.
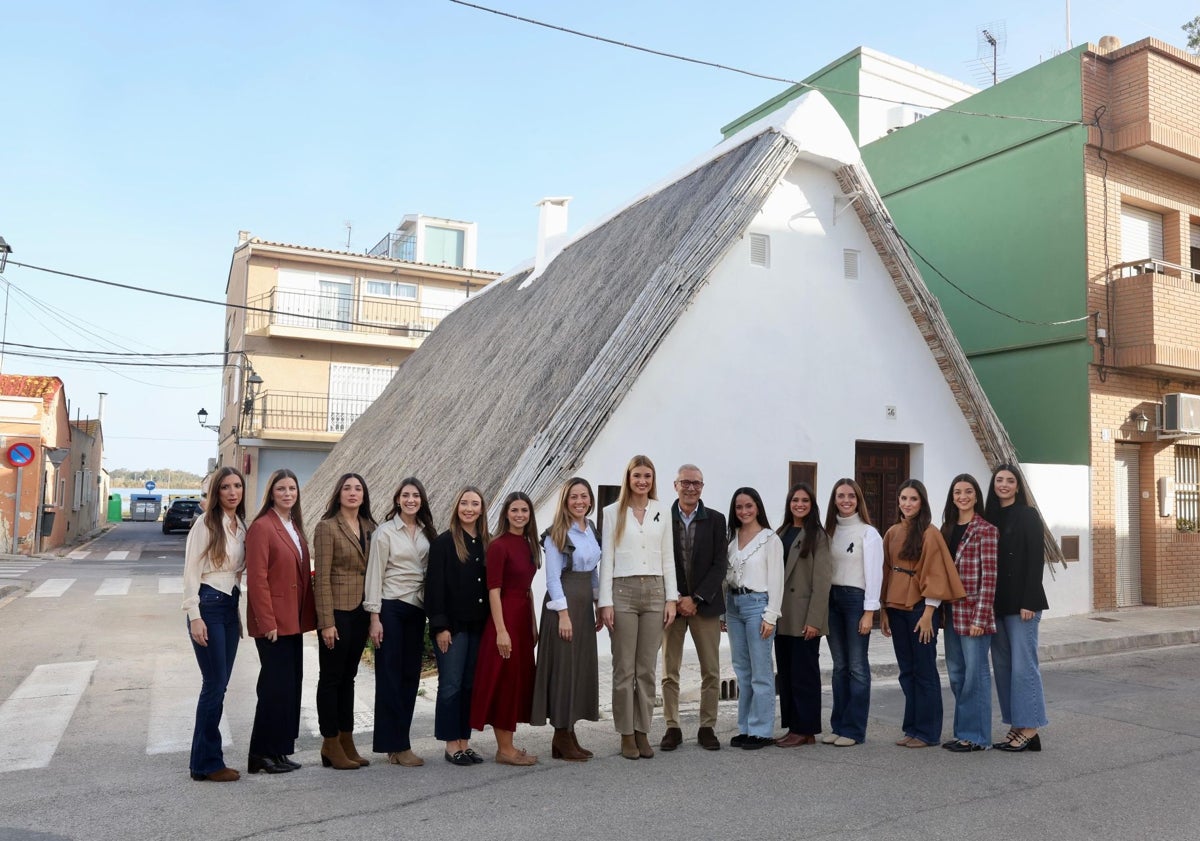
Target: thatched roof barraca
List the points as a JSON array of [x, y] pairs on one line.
[[512, 386], [515, 386]]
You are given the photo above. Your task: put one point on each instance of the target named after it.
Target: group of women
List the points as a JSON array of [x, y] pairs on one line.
[[786, 588]]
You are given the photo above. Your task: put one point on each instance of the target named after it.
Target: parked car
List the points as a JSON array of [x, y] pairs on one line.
[[181, 515]]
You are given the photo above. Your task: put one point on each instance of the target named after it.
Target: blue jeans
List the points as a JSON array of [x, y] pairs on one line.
[[1018, 677], [851, 668], [971, 683], [752, 663], [456, 679], [918, 674], [220, 615]]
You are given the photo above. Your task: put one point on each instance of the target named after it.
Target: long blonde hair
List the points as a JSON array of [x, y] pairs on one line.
[[562, 515], [626, 492], [481, 525]]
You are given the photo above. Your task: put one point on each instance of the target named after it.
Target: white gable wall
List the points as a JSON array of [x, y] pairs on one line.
[[790, 363]]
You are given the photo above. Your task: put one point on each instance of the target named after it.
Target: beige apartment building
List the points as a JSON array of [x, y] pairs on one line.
[[314, 335]]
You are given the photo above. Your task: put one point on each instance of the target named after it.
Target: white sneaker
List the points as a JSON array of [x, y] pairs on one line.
[[829, 738]]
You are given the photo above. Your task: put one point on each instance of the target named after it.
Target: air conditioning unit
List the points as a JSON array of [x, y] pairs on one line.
[[1181, 414]]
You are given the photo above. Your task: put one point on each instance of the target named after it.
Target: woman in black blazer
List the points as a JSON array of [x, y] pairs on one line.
[[456, 599]]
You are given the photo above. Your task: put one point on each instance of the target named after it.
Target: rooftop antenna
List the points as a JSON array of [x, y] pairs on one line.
[[349, 229], [991, 41]]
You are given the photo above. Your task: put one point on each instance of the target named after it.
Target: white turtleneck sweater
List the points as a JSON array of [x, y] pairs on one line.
[[858, 558]]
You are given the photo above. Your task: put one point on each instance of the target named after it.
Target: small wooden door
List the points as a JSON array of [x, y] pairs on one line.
[[880, 469]]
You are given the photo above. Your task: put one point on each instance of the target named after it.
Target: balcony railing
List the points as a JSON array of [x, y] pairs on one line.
[[291, 412], [396, 246], [377, 316], [1156, 306]]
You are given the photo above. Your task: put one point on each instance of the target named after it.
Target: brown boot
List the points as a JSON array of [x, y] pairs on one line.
[[629, 748], [346, 738], [579, 747], [332, 754], [563, 748], [643, 745]]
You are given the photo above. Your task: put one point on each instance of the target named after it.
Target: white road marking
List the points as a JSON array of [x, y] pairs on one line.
[[52, 588], [117, 555], [173, 697], [78, 554], [170, 584], [114, 587], [34, 718]]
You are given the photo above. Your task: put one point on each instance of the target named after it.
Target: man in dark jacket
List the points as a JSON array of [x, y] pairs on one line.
[[700, 562]]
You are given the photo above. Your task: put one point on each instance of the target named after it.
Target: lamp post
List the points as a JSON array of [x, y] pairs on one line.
[[202, 417], [5, 250]]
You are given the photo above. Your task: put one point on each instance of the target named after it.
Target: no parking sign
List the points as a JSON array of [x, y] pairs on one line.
[[20, 454]]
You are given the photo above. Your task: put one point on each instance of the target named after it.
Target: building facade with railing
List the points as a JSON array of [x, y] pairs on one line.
[[1056, 216], [314, 335]]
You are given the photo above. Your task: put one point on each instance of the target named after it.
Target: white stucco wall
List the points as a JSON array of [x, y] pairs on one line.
[[1062, 492]]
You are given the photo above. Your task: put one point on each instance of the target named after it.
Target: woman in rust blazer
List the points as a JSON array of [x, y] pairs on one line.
[[341, 542], [279, 610]]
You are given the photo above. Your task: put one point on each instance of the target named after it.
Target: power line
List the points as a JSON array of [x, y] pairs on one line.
[[752, 74], [106, 362], [112, 352]]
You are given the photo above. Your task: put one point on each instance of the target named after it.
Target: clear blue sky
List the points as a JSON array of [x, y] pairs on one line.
[[136, 139]]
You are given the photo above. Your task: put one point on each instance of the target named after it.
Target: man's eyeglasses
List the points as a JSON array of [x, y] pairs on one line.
[[689, 485]]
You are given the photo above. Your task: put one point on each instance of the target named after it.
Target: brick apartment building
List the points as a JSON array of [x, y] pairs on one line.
[[1075, 231]]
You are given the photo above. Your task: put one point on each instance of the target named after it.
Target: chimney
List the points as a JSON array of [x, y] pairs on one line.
[[1108, 43], [552, 233], [243, 237], [100, 410]]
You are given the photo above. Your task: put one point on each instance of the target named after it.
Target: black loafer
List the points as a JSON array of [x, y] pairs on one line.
[[757, 742], [288, 761], [738, 740], [963, 747], [269, 764], [475, 758], [459, 758]]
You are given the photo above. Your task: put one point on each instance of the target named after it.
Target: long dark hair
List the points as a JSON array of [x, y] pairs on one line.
[[992, 509], [335, 501], [214, 515], [831, 513], [481, 525], [269, 503], [914, 540], [950, 512], [531, 529], [761, 518], [424, 514], [811, 522]]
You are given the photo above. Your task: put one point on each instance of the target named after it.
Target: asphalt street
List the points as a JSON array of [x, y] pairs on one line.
[[98, 685]]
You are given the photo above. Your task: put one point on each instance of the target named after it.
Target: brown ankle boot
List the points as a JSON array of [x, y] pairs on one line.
[[563, 748], [643, 745], [629, 748], [346, 739], [579, 747], [332, 754]]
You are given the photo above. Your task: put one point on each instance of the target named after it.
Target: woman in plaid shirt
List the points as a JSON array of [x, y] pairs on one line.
[[973, 542]]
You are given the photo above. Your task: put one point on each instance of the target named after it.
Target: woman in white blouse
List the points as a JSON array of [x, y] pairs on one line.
[[637, 599], [753, 595], [213, 562], [395, 598]]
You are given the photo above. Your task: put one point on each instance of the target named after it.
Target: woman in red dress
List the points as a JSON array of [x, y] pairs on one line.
[[503, 694]]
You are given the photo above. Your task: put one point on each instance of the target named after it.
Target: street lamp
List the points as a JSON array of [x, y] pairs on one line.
[[253, 383], [202, 416], [5, 250]]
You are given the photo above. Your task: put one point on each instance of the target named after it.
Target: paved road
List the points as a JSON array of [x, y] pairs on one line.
[[97, 693]]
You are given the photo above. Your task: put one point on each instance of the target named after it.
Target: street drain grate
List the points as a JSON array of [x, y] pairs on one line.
[[1103, 619]]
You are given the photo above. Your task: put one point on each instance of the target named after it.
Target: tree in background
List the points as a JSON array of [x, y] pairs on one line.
[[1192, 28]]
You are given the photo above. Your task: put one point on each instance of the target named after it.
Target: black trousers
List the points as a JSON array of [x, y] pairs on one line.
[[339, 667], [799, 664], [280, 677]]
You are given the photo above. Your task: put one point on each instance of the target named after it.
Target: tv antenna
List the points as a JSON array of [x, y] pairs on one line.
[[349, 229], [992, 38]]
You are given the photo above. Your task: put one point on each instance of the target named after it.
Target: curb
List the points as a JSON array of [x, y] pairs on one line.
[[1113, 645]]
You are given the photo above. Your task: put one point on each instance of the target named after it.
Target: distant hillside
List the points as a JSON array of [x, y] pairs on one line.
[[123, 477]]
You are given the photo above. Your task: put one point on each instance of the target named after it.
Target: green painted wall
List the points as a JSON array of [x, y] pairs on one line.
[[997, 206], [841, 74]]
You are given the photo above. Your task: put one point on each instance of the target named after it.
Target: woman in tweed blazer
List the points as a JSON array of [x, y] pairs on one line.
[[973, 543], [341, 542]]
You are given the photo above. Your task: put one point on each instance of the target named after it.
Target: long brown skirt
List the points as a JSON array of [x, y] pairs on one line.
[[567, 686]]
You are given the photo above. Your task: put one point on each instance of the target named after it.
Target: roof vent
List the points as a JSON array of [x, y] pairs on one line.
[[760, 250], [551, 235], [850, 264]]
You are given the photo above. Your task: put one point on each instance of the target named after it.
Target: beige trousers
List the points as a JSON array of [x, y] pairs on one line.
[[706, 634], [638, 603]]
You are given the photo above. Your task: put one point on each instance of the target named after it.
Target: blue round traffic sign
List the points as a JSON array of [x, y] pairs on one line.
[[20, 454], [150, 485]]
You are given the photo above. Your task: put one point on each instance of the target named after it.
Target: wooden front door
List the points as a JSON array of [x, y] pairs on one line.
[[880, 469]]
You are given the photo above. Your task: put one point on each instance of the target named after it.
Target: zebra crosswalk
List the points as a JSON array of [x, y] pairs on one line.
[[12, 568], [38, 721], [53, 588]]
